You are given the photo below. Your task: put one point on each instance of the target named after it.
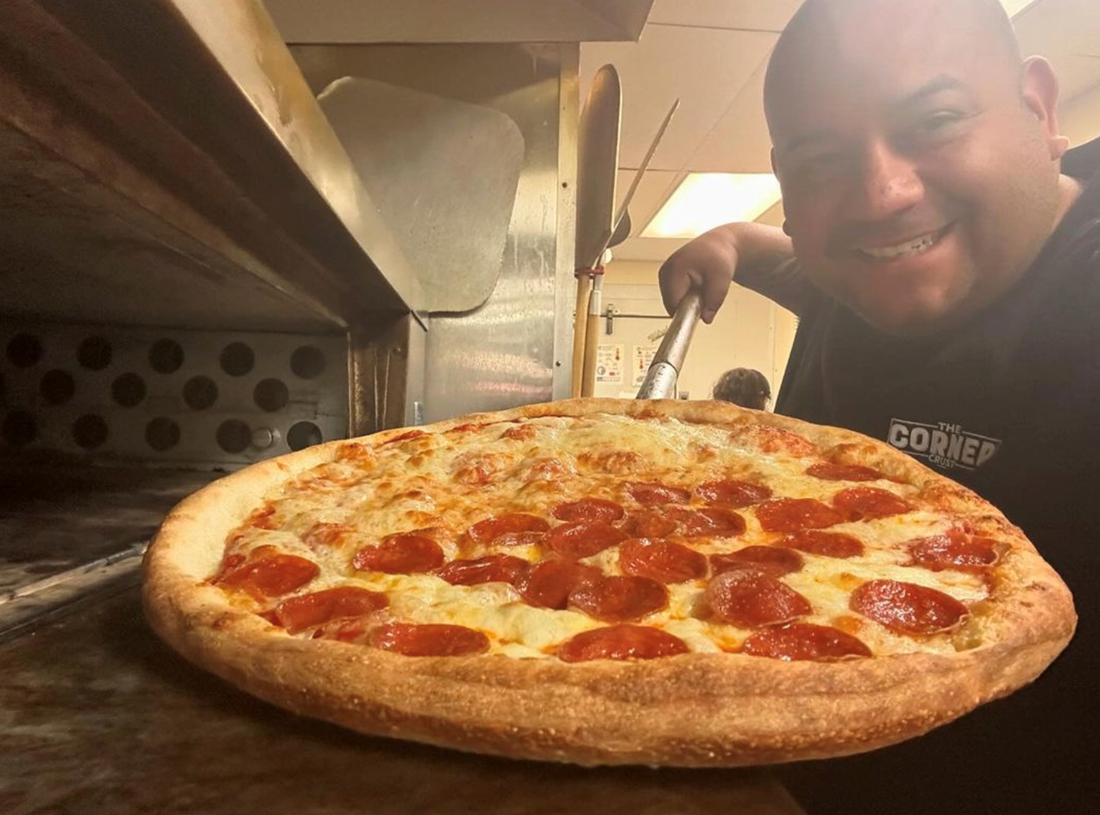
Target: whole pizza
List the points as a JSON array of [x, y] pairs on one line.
[[610, 582]]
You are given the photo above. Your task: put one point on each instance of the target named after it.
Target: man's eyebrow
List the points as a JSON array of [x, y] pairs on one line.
[[807, 140], [941, 83]]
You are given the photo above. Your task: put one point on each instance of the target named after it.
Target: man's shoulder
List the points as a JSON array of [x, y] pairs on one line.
[[1083, 162]]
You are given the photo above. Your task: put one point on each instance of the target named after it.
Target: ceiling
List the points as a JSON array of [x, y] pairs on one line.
[[711, 54]]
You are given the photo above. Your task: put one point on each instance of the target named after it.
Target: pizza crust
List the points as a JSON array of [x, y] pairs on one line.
[[690, 710]]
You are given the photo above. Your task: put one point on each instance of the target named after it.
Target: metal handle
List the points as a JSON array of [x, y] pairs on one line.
[[660, 380]]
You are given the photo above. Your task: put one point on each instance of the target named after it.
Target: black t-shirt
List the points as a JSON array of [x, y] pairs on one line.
[[1008, 405]]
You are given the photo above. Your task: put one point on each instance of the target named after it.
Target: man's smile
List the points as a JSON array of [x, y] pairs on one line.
[[904, 248]]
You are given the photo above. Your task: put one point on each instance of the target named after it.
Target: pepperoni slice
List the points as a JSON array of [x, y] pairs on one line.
[[649, 493], [829, 544], [733, 494], [868, 503], [802, 641], [467, 427], [749, 599], [769, 560], [230, 563], [430, 640], [953, 550], [588, 509], [649, 523], [519, 539], [773, 440], [907, 607], [344, 630], [490, 529], [411, 434], [263, 518], [831, 471], [663, 561], [520, 432], [615, 599], [308, 610], [621, 642], [489, 569], [549, 584], [710, 522], [584, 540], [793, 514], [271, 576], [322, 536], [400, 554]]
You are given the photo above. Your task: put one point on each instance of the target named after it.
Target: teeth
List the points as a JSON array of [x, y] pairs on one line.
[[921, 244]]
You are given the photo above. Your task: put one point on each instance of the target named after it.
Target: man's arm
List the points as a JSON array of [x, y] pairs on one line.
[[758, 257]]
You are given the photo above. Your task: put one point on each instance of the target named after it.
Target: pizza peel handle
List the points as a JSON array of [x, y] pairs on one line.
[[660, 381]]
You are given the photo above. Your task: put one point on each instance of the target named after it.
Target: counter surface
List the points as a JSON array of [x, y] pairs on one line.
[[98, 716], [53, 519]]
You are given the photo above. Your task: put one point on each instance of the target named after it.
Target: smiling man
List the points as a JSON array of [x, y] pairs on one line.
[[918, 156], [942, 252]]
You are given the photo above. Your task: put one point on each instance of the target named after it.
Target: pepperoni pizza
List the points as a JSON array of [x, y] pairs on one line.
[[609, 582]]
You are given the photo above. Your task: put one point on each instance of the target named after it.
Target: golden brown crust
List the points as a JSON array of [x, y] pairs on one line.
[[690, 710]]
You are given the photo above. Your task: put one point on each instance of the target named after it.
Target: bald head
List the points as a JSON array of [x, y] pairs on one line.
[[828, 29]]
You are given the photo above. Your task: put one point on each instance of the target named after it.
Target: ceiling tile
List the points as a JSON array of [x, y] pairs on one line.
[[653, 191], [739, 142], [759, 15], [704, 68], [719, 76], [1067, 32], [655, 249]]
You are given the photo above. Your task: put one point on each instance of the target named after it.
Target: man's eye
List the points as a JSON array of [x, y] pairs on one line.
[[821, 164], [938, 122]]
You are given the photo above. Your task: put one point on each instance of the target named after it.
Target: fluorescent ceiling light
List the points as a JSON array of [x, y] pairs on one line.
[[706, 200], [1016, 7]]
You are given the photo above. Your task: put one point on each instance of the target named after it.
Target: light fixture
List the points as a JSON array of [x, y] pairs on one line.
[[1016, 7], [706, 200]]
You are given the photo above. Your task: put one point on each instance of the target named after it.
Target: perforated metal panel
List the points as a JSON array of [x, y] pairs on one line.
[[182, 397]]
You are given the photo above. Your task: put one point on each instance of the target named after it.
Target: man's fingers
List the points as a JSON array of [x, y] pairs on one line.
[[715, 288], [675, 284]]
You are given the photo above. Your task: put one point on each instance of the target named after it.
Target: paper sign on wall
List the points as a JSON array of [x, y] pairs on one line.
[[643, 358], [609, 363]]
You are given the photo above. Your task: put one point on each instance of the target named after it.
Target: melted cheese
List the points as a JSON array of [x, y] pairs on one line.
[[449, 481]]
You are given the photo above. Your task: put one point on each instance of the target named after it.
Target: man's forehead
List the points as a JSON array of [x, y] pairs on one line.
[[851, 52]]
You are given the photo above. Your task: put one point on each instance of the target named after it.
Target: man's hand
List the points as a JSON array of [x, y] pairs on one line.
[[709, 263], [706, 264]]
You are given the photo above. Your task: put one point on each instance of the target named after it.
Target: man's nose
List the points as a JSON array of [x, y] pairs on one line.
[[888, 185]]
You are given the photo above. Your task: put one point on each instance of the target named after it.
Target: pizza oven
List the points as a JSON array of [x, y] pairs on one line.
[[216, 248]]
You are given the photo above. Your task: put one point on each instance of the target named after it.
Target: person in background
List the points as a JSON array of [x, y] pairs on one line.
[[746, 387], [942, 253]]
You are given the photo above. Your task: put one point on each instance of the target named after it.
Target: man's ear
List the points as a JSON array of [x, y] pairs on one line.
[[1039, 90]]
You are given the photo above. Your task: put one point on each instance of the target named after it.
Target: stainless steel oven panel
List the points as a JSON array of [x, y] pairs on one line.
[[510, 351], [514, 349], [174, 396]]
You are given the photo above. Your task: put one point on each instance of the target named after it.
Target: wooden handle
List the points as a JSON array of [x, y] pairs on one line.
[[580, 327]]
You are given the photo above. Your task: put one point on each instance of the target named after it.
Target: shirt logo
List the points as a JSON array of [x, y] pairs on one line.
[[945, 445]]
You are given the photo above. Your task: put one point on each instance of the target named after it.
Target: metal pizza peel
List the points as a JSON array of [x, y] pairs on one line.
[[664, 371]]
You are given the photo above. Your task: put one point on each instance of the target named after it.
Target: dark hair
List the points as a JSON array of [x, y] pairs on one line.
[[743, 386]]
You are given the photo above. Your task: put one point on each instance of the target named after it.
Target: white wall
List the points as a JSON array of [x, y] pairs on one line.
[[750, 332]]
